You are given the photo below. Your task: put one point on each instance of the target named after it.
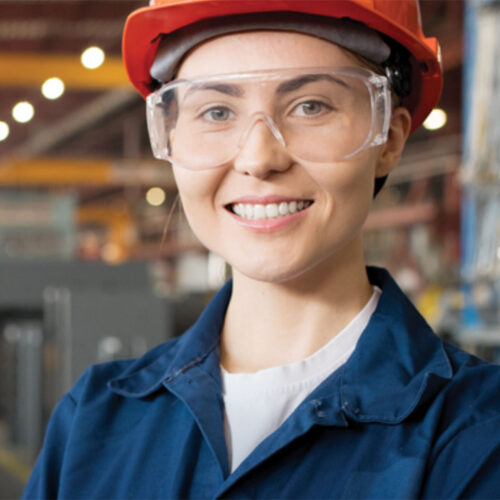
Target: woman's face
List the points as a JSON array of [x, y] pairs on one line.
[[263, 173]]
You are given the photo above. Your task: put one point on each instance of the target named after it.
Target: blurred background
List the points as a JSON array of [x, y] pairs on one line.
[[89, 271]]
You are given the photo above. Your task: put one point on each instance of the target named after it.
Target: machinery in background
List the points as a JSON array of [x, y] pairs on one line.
[[57, 318], [481, 180]]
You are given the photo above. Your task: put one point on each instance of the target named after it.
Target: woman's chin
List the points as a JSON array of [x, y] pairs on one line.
[[270, 272]]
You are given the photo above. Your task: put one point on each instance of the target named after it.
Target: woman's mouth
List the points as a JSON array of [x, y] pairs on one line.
[[258, 211]]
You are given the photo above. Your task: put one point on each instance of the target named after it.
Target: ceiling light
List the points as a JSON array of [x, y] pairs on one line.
[[4, 131], [23, 112], [155, 196], [437, 119], [53, 88], [92, 57], [112, 253]]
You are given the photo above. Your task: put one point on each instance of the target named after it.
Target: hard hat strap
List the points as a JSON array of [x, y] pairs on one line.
[[347, 33], [398, 71]]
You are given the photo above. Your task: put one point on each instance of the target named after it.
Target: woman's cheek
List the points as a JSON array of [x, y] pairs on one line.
[[196, 212], [197, 191], [349, 195]]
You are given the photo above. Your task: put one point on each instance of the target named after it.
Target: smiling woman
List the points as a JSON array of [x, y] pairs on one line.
[[269, 155], [309, 375]]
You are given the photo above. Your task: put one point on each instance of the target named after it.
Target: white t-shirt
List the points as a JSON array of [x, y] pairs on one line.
[[256, 404]]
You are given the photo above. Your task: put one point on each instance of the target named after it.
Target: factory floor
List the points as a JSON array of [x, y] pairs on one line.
[[11, 486], [15, 468]]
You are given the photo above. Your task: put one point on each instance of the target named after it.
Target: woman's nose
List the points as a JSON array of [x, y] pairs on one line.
[[262, 150]]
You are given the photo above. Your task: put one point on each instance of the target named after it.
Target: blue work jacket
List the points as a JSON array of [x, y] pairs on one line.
[[407, 416]]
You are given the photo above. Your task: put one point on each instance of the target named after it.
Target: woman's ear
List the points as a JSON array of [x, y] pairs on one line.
[[399, 130]]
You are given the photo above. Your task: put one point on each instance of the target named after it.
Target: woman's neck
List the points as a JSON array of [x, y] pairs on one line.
[[272, 324]]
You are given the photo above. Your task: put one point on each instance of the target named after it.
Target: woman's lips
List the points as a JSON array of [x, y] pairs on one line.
[[268, 216], [266, 211]]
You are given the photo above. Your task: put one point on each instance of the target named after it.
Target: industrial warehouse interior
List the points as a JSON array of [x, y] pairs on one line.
[[97, 260]]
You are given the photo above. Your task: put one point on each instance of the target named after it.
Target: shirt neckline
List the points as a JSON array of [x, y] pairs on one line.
[[304, 372]]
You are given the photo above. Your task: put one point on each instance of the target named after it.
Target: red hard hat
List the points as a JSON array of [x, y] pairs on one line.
[[399, 20]]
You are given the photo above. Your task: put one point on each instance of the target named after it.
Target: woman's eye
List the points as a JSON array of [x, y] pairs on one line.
[[218, 114], [311, 108]]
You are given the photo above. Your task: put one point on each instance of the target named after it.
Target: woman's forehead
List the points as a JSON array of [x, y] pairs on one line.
[[262, 50]]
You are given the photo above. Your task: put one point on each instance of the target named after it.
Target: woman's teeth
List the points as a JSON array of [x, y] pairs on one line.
[[270, 211]]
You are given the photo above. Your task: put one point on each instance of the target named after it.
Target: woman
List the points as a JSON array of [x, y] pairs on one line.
[[308, 375]]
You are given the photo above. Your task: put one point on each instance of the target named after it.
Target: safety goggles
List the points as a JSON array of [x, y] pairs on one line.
[[319, 115]]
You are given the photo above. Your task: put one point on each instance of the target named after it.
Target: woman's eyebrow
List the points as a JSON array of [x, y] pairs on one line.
[[296, 83], [224, 88], [288, 86]]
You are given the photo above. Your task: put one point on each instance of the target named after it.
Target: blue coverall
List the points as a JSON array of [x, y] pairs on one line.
[[407, 416]]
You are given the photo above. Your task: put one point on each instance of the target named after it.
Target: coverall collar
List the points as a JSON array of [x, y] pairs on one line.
[[389, 374]]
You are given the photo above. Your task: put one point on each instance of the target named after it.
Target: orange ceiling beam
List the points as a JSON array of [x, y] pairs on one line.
[[81, 171], [46, 171], [32, 69]]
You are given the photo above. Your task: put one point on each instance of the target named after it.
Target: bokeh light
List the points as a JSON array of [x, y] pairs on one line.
[[155, 196], [23, 112], [436, 120], [93, 57], [53, 88], [4, 131]]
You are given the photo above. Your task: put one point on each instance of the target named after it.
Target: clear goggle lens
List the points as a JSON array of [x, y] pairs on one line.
[[318, 115]]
